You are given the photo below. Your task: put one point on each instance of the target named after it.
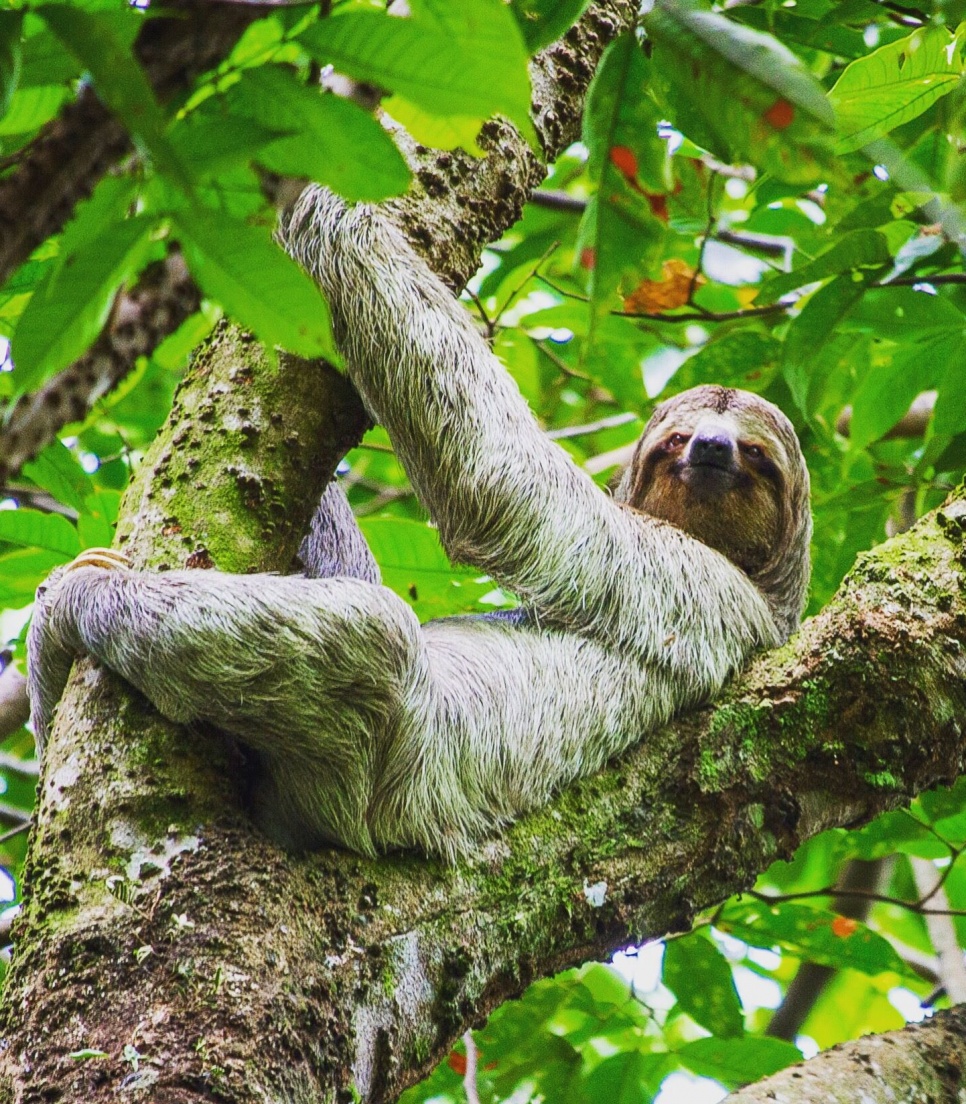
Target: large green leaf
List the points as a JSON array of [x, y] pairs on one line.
[[813, 934], [101, 41], [255, 281], [894, 84], [322, 137], [33, 529], [414, 565], [698, 974], [470, 61], [737, 1061], [622, 240], [860, 249], [544, 21], [72, 303]]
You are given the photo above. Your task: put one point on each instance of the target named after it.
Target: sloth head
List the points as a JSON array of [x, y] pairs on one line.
[[726, 467]]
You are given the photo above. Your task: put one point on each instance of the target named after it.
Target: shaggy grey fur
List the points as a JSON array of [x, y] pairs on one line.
[[377, 733]]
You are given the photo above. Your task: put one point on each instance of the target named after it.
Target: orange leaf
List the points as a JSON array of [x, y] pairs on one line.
[[673, 290], [780, 115], [624, 160], [457, 1063], [588, 258], [843, 926]]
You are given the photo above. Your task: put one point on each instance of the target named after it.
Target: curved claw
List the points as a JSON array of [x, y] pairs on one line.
[[108, 559]]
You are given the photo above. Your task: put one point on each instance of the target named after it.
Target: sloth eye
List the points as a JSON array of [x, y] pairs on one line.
[[755, 452], [676, 440]]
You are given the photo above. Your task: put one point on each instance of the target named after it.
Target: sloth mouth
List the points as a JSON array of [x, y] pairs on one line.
[[708, 477]]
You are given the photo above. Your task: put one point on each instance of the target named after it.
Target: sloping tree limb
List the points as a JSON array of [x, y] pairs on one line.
[[924, 1061]]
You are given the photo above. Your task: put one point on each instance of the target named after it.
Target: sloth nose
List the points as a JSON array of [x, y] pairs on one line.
[[714, 449]]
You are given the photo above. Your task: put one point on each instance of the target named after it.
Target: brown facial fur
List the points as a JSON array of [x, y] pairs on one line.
[[749, 500]]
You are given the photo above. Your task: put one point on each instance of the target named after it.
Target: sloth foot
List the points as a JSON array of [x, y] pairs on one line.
[[108, 559]]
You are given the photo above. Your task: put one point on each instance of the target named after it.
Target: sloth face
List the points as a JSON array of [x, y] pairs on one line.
[[724, 466]]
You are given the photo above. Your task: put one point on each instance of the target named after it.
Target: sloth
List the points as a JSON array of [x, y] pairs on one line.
[[375, 733]]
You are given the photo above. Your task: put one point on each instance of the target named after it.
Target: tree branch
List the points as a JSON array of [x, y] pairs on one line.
[[924, 1061]]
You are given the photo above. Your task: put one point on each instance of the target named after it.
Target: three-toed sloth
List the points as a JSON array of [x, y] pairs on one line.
[[374, 732]]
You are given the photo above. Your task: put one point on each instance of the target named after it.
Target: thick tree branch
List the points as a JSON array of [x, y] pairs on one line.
[[924, 1061]]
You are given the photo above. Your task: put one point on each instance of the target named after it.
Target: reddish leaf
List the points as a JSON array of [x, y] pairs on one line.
[[625, 161], [658, 205], [457, 1063], [588, 258], [780, 115], [843, 926]]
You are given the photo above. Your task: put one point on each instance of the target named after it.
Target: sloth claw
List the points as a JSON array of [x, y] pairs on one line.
[[108, 559]]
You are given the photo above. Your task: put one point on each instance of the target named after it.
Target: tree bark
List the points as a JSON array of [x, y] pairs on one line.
[[925, 1061]]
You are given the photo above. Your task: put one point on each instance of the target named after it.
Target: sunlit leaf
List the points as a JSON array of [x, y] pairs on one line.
[[256, 282], [894, 84], [699, 976]]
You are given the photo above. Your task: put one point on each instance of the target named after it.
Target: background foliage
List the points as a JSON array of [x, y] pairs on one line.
[[765, 196]]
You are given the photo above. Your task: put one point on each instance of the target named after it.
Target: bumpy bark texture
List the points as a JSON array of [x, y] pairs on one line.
[[922, 1062]]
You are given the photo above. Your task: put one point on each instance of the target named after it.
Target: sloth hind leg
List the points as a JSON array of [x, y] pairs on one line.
[[314, 675]]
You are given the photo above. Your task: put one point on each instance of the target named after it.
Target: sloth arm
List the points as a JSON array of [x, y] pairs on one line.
[[505, 498]]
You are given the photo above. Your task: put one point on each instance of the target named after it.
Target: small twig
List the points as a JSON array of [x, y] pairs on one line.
[[610, 422], [469, 1078], [560, 363], [489, 326], [830, 891], [18, 830]]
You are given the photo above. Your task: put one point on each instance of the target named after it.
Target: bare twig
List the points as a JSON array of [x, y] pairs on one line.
[[610, 422], [469, 1078]]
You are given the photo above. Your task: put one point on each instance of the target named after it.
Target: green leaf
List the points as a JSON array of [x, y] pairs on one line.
[[72, 303], [255, 281], [34, 529], [58, 471], [11, 55], [544, 21], [949, 417], [31, 108], [415, 566], [699, 975], [739, 92], [809, 333], [475, 65], [888, 389], [737, 1061], [860, 249], [894, 84], [734, 358], [628, 1078], [101, 42], [326, 138], [813, 934], [21, 572], [621, 240]]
